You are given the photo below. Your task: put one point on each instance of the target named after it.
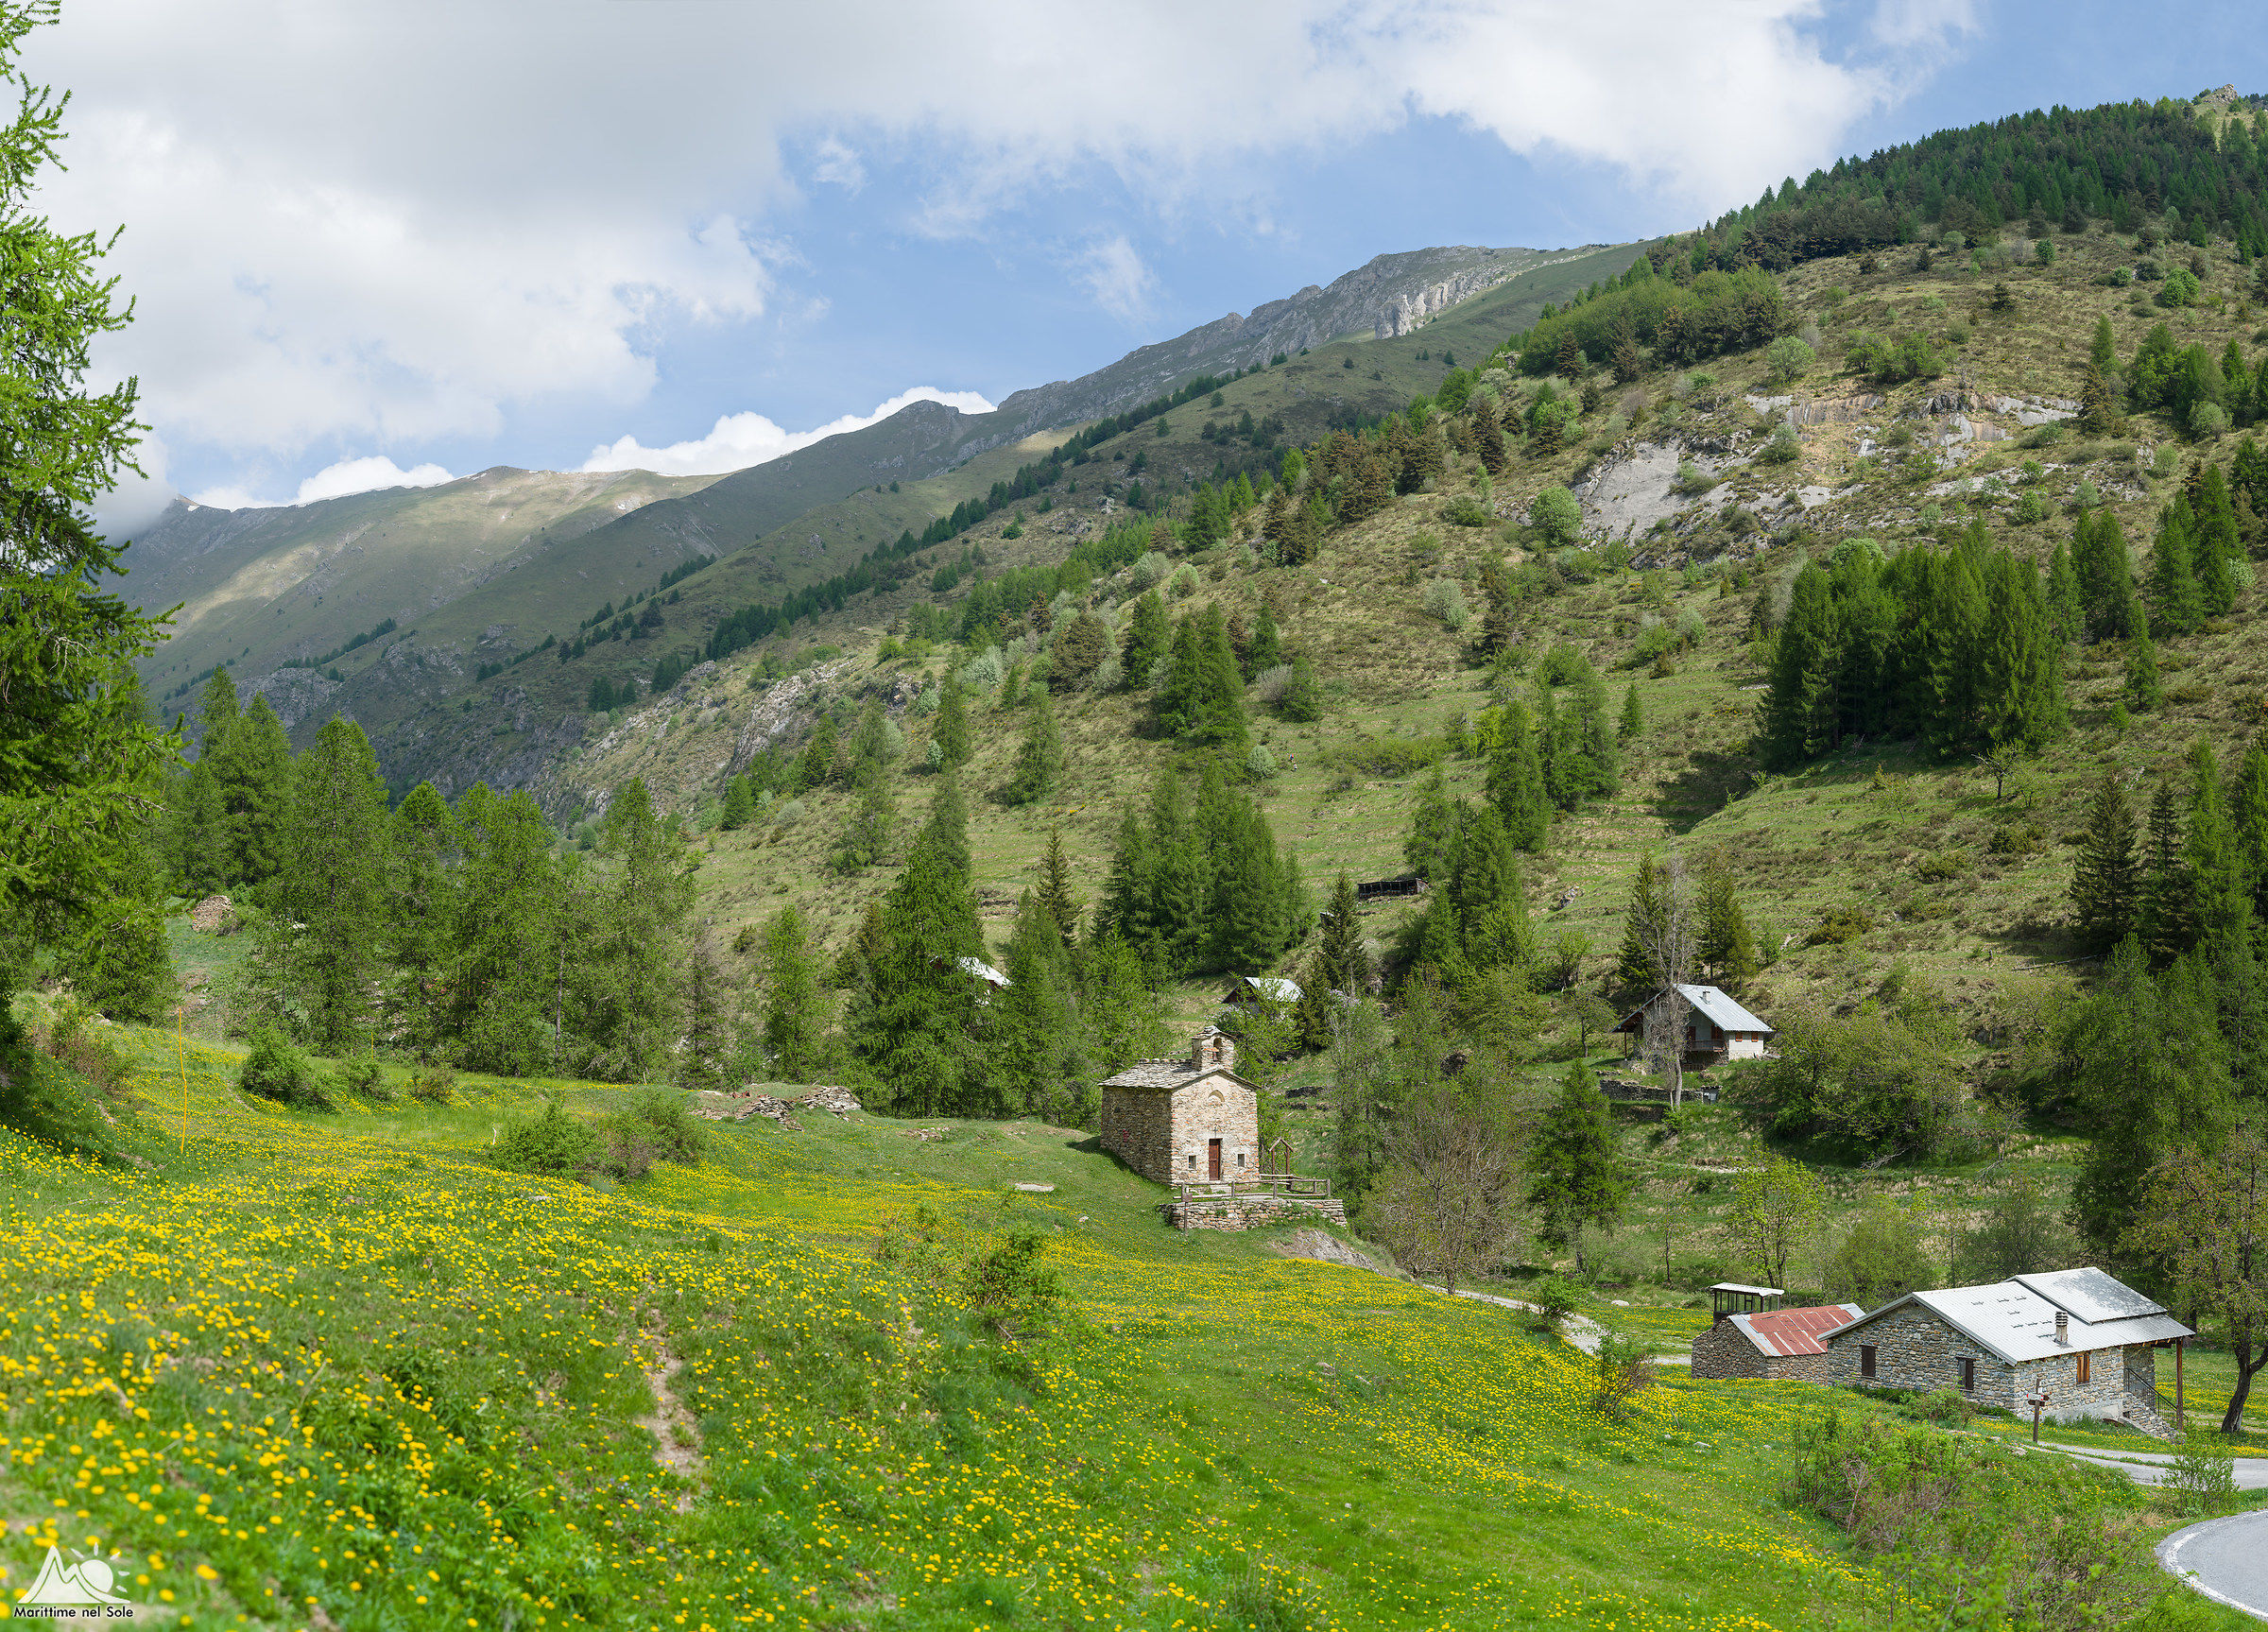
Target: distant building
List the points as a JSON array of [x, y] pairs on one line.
[[1752, 1336], [1716, 1028], [1254, 988], [2082, 1339], [988, 979], [1187, 1120]]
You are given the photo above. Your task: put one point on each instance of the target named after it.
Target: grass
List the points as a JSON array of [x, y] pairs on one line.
[[338, 1370]]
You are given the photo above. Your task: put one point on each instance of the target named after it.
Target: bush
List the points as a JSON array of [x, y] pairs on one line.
[[553, 1143], [1625, 1371], [1789, 358], [1260, 765], [1148, 569], [1840, 924], [275, 1070], [1553, 1298], [2203, 1473], [364, 1081], [1555, 514], [1445, 599], [2207, 419], [434, 1085], [1466, 512], [665, 1124], [1010, 1297]]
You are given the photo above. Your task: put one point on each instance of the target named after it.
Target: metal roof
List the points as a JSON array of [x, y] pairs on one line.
[[2013, 1323], [1273, 986], [982, 970], [1796, 1330], [1737, 1286], [1713, 1004], [2090, 1295]]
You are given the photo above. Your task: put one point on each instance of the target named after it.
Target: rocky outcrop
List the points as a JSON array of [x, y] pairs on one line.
[[298, 694]]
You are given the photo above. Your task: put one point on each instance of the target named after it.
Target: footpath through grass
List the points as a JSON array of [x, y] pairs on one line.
[[338, 1371]]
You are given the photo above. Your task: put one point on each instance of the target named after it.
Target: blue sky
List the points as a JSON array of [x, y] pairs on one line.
[[373, 242]]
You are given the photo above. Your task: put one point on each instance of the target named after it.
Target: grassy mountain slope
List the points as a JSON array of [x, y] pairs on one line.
[[347, 1372], [1961, 886], [258, 586], [424, 727]]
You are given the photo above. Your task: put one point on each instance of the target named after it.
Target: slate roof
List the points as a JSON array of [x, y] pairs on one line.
[[1163, 1076], [1782, 1332], [1720, 1008], [2015, 1320]]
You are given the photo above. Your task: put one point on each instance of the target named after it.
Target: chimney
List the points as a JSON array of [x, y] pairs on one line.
[[2063, 1330]]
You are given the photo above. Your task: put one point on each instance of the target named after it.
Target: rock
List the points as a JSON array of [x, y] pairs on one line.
[[1025, 1184], [829, 1098], [1566, 898], [1327, 1248], [210, 915], [927, 1135], [1620, 1302]]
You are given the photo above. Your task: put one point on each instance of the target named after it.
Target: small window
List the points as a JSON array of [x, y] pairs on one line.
[[1865, 1360], [2083, 1367], [1192, 1161], [1969, 1375], [1240, 1159]]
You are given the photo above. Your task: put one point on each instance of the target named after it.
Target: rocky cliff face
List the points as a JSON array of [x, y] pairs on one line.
[[1390, 296]]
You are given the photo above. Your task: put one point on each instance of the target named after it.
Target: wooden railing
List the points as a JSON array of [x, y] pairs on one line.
[[1294, 1185]]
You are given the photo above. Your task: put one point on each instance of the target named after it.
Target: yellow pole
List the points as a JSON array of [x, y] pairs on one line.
[[180, 1055]]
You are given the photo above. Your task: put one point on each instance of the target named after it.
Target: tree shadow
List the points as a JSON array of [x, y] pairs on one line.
[[1710, 780]]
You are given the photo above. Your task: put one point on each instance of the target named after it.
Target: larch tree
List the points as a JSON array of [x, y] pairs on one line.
[[2104, 879], [793, 1006], [1577, 1178], [332, 888]]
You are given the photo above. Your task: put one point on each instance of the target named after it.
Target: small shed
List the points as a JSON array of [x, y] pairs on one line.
[[2085, 1341], [1752, 1336], [1252, 989], [1186, 1121], [1716, 1028], [1389, 888]]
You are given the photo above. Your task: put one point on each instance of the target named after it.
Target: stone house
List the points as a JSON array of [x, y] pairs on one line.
[[2085, 1341], [1716, 1028], [1187, 1120], [1752, 1336]]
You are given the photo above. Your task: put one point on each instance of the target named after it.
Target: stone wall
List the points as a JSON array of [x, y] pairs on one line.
[[1722, 1351], [1915, 1350], [1248, 1212], [1163, 1134]]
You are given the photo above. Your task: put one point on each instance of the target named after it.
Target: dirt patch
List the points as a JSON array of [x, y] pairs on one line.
[[1630, 494], [209, 916], [1329, 1249], [676, 1438]]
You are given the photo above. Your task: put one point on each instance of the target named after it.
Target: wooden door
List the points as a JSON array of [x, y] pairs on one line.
[[1212, 1158]]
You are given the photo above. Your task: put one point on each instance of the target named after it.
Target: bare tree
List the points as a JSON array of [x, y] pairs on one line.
[[1451, 1192], [1663, 923]]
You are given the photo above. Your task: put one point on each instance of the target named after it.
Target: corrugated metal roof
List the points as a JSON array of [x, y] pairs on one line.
[[1273, 986], [1738, 1287], [1796, 1331], [2011, 1321], [1729, 1015], [2090, 1295], [1713, 1004]]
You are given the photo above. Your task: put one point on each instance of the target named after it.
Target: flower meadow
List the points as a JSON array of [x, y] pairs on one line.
[[338, 1372]]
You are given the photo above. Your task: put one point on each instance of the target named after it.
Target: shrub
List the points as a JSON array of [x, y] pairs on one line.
[[1183, 584], [1466, 512], [1268, 685], [1553, 1298], [2029, 508], [1625, 1371], [1789, 358], [1445, 599], [2207, 419], [1840, 924], [2203, 1473], [1555, 513], [435, 1085], [276, 1070], [1149, 568], [1260, 765], [364, 1081], [1009, 1294], [552, 1143], [1784, 448]]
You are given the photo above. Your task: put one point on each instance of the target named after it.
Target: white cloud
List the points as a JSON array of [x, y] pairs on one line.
[[340, 226], [137, 501], [333, 481], [738, 440], [835, 163], [1115, 276]]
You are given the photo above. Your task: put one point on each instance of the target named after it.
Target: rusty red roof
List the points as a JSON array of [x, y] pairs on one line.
[[1796, 1330]]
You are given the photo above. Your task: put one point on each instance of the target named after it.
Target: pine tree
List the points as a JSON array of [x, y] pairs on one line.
[[704, 1056], [867, 835], [2173, 590], [1601, 763], [1577, 1177], [2065, 618], [1487, 434], [2144, 694], [1035, 1062], [1725, 946], [1245, 903], [252, 769], [1216, 701], [420, 905], [817, 762], [2219, 895], [2248, 821], [1266, 650], [793, 1006], [740, 805], [1492, 908], [2106, 581], [952, 730], [1055, 895], [1797, 721], [1040, 761], [2103, 352], [2167, 896], [1342, 962], [2098, 413], [913, 1024], [1634, 719], [1634, 969], [2020, 683], [2104, 880], [1430, 847], [2218, 547], [507, 968], [1302, 700], [1515, 781]]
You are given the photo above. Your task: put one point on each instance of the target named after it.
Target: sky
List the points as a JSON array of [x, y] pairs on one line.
[[386, 244]]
